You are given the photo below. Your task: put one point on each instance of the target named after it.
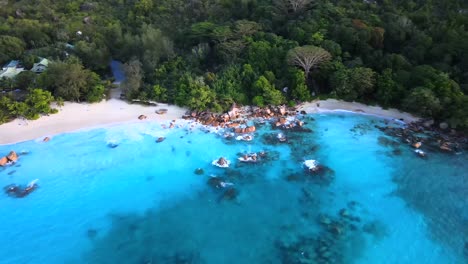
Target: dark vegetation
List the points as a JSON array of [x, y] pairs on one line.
[[207, 54]]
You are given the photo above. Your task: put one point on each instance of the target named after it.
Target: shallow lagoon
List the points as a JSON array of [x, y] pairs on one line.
[[141, 202]]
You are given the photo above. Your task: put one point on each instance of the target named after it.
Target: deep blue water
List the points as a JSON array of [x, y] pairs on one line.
[[141, 202]]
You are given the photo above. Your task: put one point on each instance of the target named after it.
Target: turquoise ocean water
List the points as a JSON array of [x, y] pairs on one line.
[[141, 202]]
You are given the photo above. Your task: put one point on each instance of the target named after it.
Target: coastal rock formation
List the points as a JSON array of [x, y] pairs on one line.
[[222, 161], [237, 116], [12, 156], [418, 135], [161, 111], [250, 129]]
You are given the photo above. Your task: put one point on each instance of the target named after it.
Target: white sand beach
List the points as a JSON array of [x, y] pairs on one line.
[[82, 116], [329, 105], [79, 116]]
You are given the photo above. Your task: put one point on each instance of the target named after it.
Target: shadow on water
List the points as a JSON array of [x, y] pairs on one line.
[[266, 221], [440, 193], [281, 220], [435, 185], [270, 222]]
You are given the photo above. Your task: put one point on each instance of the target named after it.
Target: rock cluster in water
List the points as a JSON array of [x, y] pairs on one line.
[[12, 157], [236, 118], [420, 135], [333, 243]]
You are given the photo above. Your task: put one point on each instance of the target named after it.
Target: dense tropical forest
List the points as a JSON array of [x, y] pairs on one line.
[[207, 54]]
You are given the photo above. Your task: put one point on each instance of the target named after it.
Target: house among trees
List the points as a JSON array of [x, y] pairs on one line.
[[12, 69], [41, 66]]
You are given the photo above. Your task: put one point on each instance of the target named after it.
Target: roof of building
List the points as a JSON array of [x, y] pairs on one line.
[[12, 64], [10, 72], [36, 67]]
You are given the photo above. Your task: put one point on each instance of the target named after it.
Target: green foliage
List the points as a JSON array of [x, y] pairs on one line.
[[201, 97], [258, 101], [389, 91], [37, 103], [93, 55], [11, 48], [69, 80], [194, 93], [133, 78], [159, 93], [25, 80], [268, 92], [228, 86], [169, 44], [354, 83], [422, 101], [298, 85], [95, 93]]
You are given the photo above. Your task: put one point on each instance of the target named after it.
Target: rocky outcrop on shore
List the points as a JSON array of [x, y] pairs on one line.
[[236, 118], [10, 158], [423, 135]]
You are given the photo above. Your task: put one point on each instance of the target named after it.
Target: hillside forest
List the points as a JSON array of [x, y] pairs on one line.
[[208, 54]]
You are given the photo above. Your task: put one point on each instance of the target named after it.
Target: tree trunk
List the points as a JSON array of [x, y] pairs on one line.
[[308, 82], [311, 83]]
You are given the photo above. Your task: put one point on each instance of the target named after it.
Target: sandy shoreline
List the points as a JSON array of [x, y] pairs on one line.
[[321, 106], [75, 116]]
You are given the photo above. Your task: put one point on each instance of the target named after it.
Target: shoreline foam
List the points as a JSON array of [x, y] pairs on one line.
[[80, 116], [333, 105], [74, 117]]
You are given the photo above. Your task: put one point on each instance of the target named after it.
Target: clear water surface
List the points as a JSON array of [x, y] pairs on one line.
[[141, 202]]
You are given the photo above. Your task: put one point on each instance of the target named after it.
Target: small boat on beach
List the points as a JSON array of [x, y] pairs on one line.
[[221, 162]]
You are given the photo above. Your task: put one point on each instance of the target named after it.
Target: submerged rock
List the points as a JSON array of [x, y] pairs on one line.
[[215, 182], [386, 142], [112, 145], [199, 171], [375, 228], [17, 191], [91, 233], [230, 194], [324, 220]]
